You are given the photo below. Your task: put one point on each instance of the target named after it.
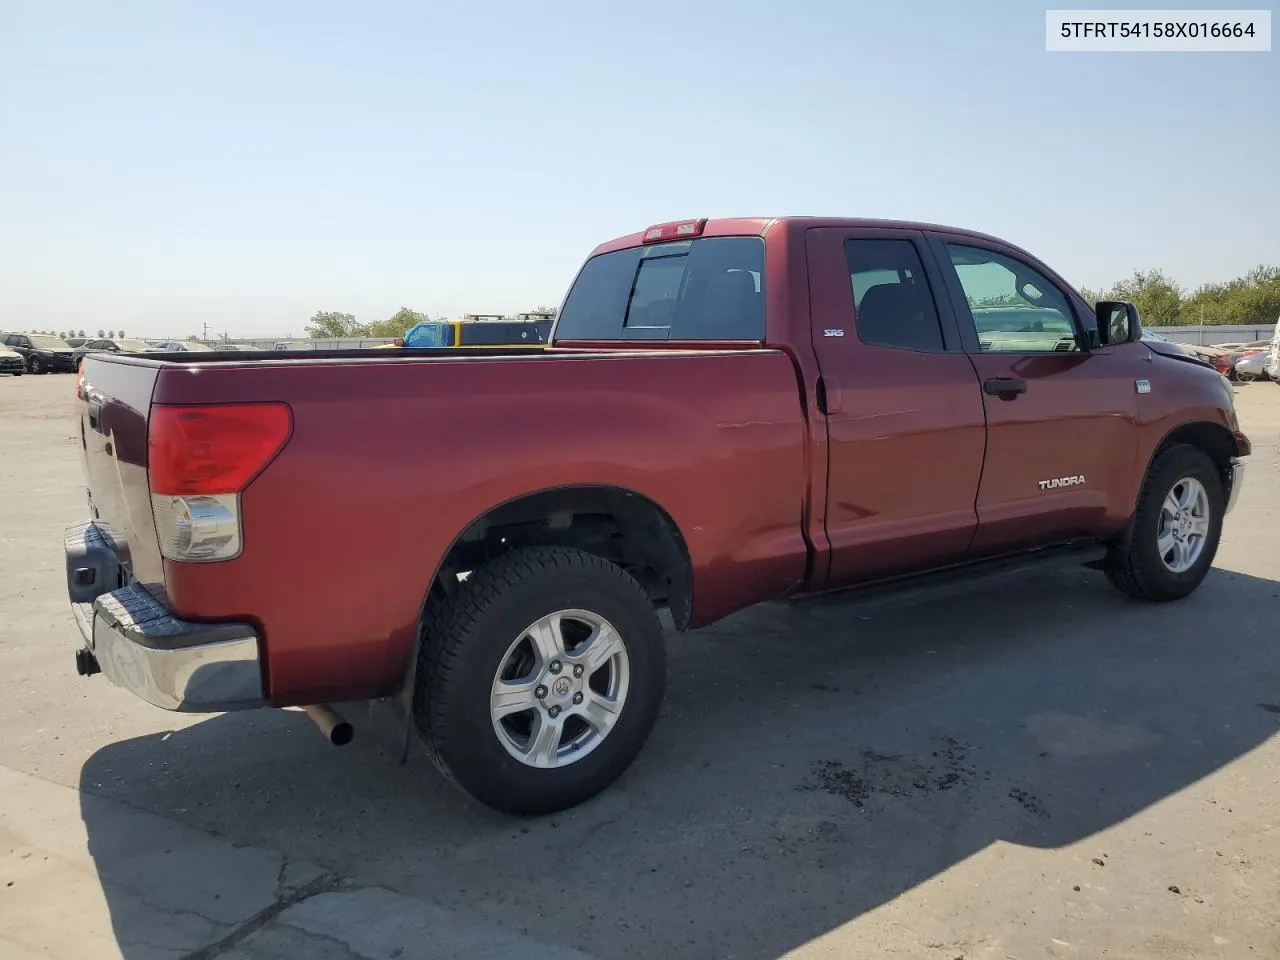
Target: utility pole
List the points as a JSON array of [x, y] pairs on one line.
[[204, 331]]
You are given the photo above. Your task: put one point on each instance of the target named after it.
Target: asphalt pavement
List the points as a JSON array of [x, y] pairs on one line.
[[1038, 768]]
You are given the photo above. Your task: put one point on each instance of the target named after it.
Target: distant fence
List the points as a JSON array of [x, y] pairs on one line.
[[1223, 333]]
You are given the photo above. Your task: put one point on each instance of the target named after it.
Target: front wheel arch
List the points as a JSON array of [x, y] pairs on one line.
[[1215, 440]]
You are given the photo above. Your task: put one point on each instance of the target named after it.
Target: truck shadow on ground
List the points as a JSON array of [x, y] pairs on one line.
[[811, 764]]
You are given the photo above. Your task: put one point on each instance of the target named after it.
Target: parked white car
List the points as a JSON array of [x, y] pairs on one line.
[[1252, 365], [1272, 364]]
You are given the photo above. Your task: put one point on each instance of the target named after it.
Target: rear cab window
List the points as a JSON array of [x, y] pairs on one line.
[[711, 288]]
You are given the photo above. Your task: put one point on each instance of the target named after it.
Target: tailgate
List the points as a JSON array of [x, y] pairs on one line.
[[115, 400]]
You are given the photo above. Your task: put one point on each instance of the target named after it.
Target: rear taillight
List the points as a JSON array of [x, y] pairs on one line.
[[199, 460]]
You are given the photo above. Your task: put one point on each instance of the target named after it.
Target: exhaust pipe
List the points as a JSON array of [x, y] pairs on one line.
[[335, 728]]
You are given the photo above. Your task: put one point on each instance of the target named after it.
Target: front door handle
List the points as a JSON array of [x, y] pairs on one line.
[[1005, 386]]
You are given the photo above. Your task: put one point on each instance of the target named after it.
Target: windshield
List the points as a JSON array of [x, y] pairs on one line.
[[49, 343]]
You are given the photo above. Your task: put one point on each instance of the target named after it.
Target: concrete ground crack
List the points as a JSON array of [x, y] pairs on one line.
[[325, 883], [284, 868]]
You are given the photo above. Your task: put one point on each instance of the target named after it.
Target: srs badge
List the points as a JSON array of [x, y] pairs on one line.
[[1061, 482]]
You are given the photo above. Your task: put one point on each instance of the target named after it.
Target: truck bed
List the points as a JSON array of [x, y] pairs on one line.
[[393, 454]]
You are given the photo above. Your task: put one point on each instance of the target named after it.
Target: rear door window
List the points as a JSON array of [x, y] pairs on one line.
[[711, 288], [892, 300]]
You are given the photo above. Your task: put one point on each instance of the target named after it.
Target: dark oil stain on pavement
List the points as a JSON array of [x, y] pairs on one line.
[[894, 774], [1029, 802], [905, 777]]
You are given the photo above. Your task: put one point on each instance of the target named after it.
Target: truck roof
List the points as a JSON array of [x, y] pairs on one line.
[[757, 226]]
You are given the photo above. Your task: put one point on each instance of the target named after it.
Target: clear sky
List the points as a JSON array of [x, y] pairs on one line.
[[244, 164]]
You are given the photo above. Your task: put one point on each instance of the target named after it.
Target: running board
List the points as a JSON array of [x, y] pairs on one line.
[[955, 579]]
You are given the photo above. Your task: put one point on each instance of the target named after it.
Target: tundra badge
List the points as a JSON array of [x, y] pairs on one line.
[[1061, 482], [1144, 386]]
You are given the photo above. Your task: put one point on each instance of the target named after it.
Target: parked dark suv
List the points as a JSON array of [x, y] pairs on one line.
[[43, 352]]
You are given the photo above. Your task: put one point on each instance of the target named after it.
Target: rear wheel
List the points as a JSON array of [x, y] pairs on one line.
[[1175, 528], [539, 679]]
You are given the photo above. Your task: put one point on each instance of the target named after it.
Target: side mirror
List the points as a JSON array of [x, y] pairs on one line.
[[1117, 322]]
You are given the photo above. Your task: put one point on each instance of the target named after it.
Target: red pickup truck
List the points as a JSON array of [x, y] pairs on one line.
[[728, 412]]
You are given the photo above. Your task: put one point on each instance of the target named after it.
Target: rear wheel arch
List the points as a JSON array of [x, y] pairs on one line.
[[567, 619], [612, 522]]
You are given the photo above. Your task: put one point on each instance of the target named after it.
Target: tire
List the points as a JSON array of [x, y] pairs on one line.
[[1141, 569], [35, 366], [468, 640]]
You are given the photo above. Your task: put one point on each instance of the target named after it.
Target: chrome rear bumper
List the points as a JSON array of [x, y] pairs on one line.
[[140, 646]]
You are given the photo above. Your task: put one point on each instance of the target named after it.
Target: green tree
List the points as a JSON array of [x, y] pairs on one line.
[[396, 324], [1158, 299], [79, 333], [101, 333], [328, 324], [1252, 298], [111, 334]]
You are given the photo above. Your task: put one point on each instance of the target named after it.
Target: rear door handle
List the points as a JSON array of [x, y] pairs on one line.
[[1004, 386]]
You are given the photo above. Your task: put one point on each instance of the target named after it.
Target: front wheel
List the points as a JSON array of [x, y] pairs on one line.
[[35, 365], [539, 679], [1175, 528]]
